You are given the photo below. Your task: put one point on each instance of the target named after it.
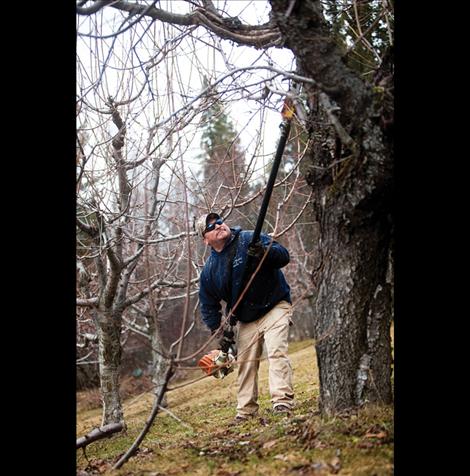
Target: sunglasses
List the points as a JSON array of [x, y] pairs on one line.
[[211, 226]]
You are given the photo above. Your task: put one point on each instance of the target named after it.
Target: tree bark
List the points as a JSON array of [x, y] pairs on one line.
[[350, 170], [99, 433], [353, 312], [109, 356]]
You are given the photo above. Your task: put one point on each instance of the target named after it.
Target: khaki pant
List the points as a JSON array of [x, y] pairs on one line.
[[273, 330]]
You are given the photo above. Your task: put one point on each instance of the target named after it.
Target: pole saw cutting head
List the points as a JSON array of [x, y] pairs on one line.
[[217, 363]]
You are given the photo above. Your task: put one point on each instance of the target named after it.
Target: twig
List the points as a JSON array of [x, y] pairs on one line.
[[176, 418], [340, 130]]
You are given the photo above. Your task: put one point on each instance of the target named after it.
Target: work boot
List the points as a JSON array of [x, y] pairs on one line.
[[282, 410], [241, 419]]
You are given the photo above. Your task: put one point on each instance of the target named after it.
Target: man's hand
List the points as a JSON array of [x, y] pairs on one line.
[[227, 340], [256, 250]]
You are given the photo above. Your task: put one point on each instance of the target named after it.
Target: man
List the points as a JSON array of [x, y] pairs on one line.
[[264, 314]]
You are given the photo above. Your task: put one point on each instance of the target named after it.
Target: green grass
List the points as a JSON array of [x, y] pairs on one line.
[[360, 444]]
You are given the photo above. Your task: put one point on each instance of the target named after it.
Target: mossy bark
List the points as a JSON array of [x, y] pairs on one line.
[[109, 355], [350, 171]]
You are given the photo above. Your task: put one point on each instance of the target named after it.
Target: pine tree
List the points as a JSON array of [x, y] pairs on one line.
[[223, 169]]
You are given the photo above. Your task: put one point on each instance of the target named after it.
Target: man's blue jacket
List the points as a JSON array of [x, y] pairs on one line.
[[267, 289]]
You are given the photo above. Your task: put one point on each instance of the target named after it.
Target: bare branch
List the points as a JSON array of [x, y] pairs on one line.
[[88, 229], [294, 221], [90, 302], [99, 433], [97, 6], [159, 282], [259, 36], [340, 130]]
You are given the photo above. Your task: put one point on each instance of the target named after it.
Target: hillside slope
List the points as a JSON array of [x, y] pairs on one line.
[[202, 441]]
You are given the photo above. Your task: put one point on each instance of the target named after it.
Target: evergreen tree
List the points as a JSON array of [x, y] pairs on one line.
[[223, 168]]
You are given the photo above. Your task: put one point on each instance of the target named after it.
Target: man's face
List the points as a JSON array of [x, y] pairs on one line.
[[218, 236]]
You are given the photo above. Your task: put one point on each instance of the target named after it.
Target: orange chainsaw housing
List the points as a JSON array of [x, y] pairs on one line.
[[207, 362]]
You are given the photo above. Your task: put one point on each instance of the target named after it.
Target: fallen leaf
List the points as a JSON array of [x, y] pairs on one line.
[[263, 421], [145, 450], [382, 434], [281, 457], [335, 465], [365, 444], [291, 458], [269, 444]]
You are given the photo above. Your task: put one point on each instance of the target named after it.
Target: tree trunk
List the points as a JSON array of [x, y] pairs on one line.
[[108, 326], [352, 320], [350, 170]]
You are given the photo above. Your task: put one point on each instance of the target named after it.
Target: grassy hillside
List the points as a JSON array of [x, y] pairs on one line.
[[202, 441]]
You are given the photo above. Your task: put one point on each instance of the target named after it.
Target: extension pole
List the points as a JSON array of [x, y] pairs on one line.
[[287, 113], [285, 128]]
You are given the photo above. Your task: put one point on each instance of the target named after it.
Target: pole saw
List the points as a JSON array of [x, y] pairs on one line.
[[219, 363]]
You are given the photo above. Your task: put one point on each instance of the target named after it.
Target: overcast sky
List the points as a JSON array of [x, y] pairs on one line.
[[186, 65]]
